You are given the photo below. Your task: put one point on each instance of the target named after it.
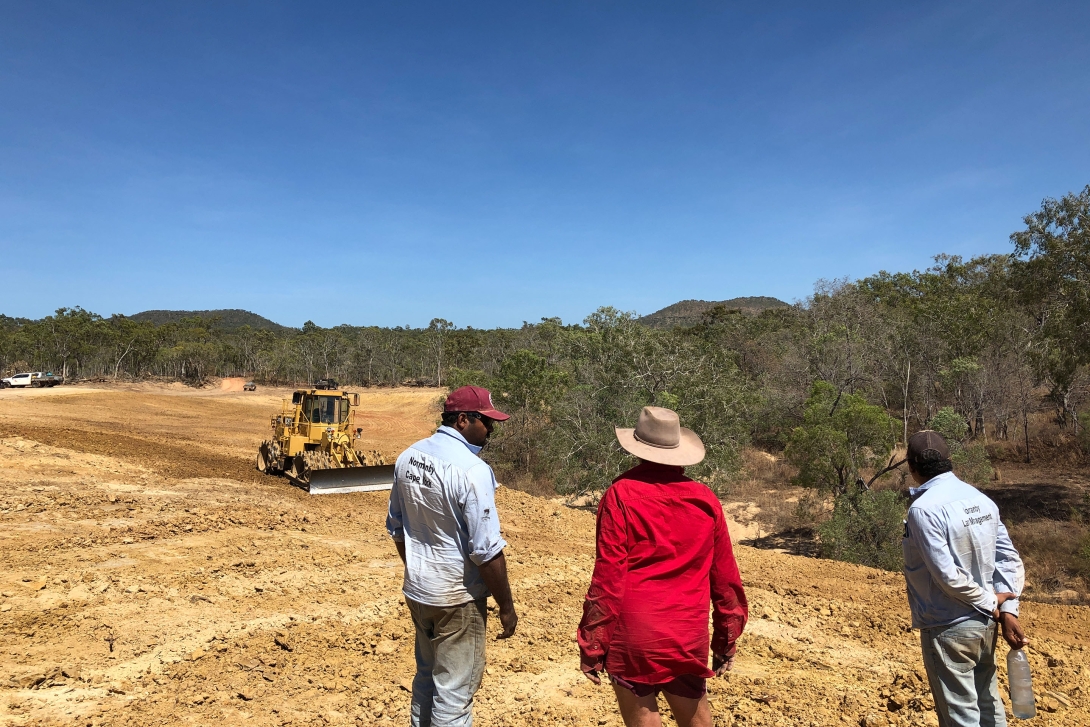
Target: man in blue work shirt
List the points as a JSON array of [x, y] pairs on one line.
[[963, 576], [444, 523]]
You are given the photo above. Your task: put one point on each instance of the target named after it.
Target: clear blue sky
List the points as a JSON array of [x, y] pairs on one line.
[[388, 163]]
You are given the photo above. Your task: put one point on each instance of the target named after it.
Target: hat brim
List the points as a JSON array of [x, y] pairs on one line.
[[495, 414], [689, 451]]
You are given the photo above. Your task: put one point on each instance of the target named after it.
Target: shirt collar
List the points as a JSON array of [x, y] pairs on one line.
[[936, 480], [452, 432], [646, 466]]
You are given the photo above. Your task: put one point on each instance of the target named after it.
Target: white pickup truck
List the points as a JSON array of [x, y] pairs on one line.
[[35, 379]]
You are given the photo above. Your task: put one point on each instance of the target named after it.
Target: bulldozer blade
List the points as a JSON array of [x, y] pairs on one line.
[[351, 479]]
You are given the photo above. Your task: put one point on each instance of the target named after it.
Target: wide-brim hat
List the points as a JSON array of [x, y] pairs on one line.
[[660, 438]]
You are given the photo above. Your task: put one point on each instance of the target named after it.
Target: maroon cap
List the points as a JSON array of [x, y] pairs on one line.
[[927, 441], [474, 398]]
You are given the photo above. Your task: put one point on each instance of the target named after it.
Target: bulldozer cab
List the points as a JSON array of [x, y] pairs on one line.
[[326, 410], [320, 412]]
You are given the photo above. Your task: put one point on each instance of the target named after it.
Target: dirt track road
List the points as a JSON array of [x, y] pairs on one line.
[[150, 576]]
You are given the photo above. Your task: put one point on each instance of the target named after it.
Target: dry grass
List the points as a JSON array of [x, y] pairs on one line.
[[778, 514], [1046, 507], [1049, 446], [1056, 571], [531, 485]]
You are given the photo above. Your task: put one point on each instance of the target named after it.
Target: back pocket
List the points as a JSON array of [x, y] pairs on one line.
[[960, 653]]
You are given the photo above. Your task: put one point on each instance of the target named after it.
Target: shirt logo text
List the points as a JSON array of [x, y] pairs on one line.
[[977, 520], [426, 466]]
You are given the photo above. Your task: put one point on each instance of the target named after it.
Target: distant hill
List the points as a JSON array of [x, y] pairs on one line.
[[231, 318], [688, 312]]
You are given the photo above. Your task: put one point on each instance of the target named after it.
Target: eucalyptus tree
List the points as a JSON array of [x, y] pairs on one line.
[[1052, 277]]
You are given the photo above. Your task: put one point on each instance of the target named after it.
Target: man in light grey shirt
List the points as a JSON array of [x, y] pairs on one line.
[[963, 575], [443, 520]]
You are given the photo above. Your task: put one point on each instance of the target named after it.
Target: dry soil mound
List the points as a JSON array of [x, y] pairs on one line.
[[150, 576]]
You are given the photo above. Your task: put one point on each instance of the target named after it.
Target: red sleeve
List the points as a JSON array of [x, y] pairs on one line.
[[729, 608], [603, 601]]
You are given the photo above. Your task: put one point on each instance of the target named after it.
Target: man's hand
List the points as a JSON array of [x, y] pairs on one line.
[[494, 575], [508, 620], [1000, 599], [593, 676], [722, 664], [1012, 631]]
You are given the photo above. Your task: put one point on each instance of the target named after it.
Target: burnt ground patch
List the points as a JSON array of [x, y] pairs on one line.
[[1020, 502], [796, 541]]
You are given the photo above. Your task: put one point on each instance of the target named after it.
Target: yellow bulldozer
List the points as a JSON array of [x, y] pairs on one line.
[[312, 444]]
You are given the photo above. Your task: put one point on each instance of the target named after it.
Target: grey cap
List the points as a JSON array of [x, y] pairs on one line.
[[921, 443]]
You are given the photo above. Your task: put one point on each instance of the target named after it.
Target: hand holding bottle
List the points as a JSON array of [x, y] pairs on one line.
[[1012, 631]]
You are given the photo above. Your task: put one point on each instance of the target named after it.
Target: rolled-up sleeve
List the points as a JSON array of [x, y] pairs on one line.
[[1010, 573], [934, 550], [394, 523], [482, 520]]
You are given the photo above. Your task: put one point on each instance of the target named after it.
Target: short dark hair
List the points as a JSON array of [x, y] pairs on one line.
[[450, 417], [931, 464]]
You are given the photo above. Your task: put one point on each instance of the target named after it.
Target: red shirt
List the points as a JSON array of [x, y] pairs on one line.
[[663, 555]]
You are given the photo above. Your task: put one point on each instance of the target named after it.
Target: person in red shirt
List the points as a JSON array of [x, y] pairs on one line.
[[663, 556]]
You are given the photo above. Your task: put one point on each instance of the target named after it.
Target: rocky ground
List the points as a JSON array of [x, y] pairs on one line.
[[150, 576]]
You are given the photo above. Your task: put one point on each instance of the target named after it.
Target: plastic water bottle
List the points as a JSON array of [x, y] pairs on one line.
[[1021, 684]]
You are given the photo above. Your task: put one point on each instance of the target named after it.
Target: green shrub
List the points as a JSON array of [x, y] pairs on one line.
[[1084, 432], [971, 463], [841, 434], [865, 528], [951, 425]]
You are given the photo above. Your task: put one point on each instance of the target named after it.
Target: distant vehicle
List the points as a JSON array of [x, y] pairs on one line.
[[249, 386], [33, 379], [326, 384]]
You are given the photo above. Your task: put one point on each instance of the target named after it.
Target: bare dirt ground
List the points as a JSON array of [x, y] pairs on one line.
[[149, 575]]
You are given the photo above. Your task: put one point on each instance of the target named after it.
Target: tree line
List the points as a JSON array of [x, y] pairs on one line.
[[835, 380]]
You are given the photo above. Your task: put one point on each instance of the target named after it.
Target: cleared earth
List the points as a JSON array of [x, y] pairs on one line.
[[149, 575]]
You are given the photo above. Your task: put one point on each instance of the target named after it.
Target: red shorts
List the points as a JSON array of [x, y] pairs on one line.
[[687, 686]]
